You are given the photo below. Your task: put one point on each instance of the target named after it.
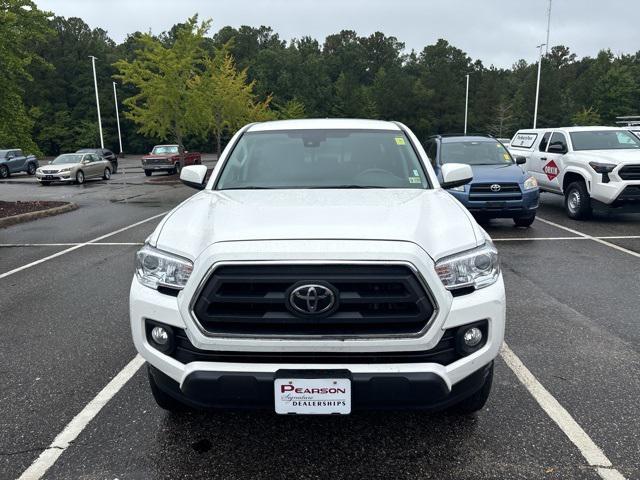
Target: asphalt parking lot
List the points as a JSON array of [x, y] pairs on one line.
[[564, 402]]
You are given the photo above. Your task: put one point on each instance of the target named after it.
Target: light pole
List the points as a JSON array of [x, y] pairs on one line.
[[115, 97], [466, 106], [95, 84], [548, 26], [535, 111]]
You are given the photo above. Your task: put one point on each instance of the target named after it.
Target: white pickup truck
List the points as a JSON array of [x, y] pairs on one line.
[[590, 166], [321, 269]]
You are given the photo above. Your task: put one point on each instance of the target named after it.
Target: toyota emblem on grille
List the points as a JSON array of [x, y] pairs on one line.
[[495, 187], [312, 299]]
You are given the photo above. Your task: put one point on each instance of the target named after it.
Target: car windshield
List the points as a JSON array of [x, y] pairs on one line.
[[604, 140], [341, 158], [475, 152], [68, 158], [162, 149], [3, 153]]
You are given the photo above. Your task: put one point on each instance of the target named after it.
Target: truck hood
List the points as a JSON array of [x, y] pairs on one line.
[[433, 219], [609, 156]]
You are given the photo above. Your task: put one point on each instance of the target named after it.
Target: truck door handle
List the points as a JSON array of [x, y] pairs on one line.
[[543, 158]]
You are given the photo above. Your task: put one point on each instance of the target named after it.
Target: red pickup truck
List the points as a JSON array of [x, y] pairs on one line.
[[169, 158]]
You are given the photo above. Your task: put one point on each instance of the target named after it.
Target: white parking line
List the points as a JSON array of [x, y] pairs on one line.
[[590, 451], [49, 456], [586, 237], [589, 237], [80, 245], [112, 244]]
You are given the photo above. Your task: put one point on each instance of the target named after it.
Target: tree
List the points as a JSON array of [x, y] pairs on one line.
[[292, 109], [22, 26], [586, 116], [165, 79]]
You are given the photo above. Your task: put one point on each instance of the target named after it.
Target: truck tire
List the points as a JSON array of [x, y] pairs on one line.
[[524, 221], [148, 173], [577, 202], [177, 168], [164, 400], [476, 401]]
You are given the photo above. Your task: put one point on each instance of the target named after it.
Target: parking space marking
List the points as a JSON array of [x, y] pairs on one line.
[[76, 247], [589, 237], [10, 245], [590, 451], [64, 439]]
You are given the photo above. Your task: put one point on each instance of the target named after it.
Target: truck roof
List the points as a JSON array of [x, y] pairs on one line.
[[323, 123], [568, 129]]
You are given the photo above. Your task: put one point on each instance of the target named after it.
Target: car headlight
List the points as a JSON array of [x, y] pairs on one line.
[[459, 188], [477, 268], [68, 169], [530, 183], [155, 268]]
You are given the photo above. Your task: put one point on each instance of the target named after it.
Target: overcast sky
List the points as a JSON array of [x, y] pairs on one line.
[[497, 32]]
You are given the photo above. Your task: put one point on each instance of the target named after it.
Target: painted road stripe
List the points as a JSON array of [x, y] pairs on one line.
[[80, 245], [589, 237], [10, 245], [590, 451], [64, 439]]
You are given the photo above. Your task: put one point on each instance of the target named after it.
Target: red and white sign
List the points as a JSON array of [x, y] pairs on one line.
[[551, 170]]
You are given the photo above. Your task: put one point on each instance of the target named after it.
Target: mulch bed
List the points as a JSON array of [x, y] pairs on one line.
[[9, 209]]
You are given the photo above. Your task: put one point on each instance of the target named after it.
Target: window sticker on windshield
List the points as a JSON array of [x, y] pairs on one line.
[[414, 180], [415, 173], [506, 156], [399, 141]]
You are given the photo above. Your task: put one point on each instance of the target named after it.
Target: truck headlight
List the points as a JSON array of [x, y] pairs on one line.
[[602, 167], [530, 183], [477, 268], [459, 188], [155, 268]]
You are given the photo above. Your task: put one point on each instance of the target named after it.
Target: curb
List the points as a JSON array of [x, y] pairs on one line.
[[27, 217]]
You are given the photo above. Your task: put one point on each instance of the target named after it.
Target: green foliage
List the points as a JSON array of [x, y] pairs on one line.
[[586, 116], [294, 108]]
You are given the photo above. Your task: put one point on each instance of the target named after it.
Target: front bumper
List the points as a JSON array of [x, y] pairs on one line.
[[254, 390], [55, 177]]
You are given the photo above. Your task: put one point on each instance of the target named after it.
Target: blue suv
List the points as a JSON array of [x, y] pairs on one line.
[[500, 187]]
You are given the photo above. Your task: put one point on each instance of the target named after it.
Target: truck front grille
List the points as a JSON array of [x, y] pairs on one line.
[[372, 300], [630, 172], [482, 192]]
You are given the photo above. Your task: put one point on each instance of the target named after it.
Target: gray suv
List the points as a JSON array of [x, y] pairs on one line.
[[14, 161]]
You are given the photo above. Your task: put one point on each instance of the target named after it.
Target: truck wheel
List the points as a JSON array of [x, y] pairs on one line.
[[577, 202], [476, 401], [164, 400], [148, 173], [524, 221], [4, 171], [177, 168], [31, 169]]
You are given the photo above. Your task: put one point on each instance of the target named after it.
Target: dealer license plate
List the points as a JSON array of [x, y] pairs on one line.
[[313, 396]]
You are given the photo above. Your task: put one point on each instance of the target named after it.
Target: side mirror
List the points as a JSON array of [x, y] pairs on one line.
[[455, 175], [186, 151], [194, 176], [557, 148], [520, 160]]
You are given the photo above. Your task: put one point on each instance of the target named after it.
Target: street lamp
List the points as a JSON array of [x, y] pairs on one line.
[[466, 106], [535, 112], [95, 84], [115, 97]]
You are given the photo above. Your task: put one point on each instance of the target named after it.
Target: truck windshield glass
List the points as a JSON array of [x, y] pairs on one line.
[[162, 149], [474, 152], [605, 140], [68, 158], [323, 159]]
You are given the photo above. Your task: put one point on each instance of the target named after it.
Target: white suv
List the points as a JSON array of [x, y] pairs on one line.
[[322, 268], [590, 166]]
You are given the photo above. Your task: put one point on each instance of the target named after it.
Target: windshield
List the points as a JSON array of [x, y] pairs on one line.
[[162, 149], [68, 158], [604, 140], [475, 152], [323, 159]]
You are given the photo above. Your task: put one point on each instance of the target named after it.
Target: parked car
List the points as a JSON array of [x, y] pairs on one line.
[[104, 153], [74, 167], [500, 187], [321, 269], [169, 158], [590, 166], [14, 161]]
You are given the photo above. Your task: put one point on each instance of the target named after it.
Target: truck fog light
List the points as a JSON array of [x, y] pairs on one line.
[[161, 336], [471, 337]]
